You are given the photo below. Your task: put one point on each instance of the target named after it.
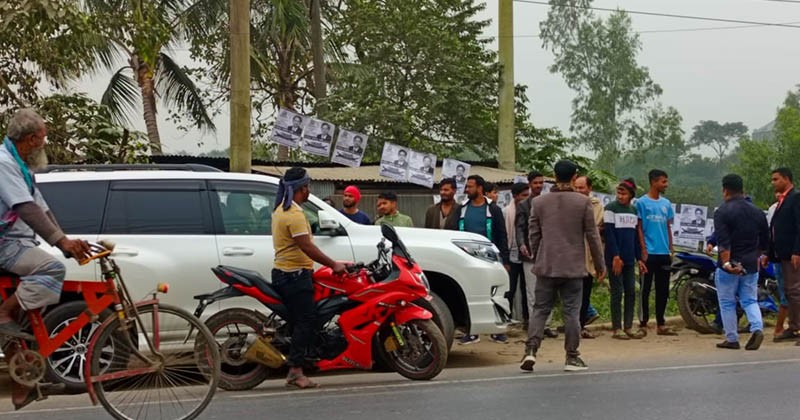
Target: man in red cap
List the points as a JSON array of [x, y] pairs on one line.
[[350, 201]]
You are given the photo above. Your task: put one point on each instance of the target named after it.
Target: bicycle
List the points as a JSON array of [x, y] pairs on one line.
[[143, 361]]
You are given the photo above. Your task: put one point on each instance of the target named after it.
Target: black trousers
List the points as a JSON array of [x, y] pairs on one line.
[[658, 270], [586, 299], [517, 280], [297, 290]]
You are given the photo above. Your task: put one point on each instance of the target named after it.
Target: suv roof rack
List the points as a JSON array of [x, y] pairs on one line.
[[192, 167]]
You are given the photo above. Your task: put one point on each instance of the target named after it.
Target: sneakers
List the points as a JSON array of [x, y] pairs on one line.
[[528, 361], [729, 345], [550, 333], [499, 338], [469, 339], [755, 341], [575, 364]]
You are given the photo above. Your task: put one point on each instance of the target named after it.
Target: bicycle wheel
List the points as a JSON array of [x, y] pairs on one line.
[[177, 381]]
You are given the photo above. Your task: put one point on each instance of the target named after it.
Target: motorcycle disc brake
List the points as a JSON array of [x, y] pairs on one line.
[[27, 368]]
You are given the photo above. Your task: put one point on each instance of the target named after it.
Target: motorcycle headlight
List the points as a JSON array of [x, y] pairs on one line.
[[483, 250]]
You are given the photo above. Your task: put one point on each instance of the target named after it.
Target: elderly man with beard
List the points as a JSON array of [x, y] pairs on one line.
[[25, 215]]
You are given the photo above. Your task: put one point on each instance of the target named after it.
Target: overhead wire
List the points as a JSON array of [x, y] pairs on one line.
[[669, 15]]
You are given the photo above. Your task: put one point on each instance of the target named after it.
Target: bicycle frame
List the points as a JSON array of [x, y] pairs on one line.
[[98, 296]]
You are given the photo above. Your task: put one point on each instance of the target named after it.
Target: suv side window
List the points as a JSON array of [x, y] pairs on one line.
[[160, 207], [242, 208], [77, 205]]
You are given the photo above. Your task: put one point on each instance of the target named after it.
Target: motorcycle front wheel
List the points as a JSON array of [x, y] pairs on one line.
[[422, 354], [697, 306]]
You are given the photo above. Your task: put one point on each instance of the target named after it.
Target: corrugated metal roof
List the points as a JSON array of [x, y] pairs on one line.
[[370, 173]]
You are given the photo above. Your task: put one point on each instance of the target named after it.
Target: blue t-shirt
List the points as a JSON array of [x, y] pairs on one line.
[[475, 220], [655, 214], [359, 217]]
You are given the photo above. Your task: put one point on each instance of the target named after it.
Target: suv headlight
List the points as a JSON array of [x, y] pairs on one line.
[[482, 250]]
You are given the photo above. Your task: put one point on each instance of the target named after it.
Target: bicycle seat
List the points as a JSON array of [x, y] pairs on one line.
[[249, 278]]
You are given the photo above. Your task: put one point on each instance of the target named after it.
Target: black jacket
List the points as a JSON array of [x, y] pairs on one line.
[[521, 224], [785, 229]]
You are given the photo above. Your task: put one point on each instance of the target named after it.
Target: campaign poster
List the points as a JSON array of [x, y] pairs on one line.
[[521, 179], [288, 129], [420, 168], [457, 170], [349, 150], [605, 199], [692, 222], [394, 162], [546, 187], [504, 198], [318, 137]]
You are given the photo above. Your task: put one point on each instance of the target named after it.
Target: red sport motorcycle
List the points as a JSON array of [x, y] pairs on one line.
[[364, 314]]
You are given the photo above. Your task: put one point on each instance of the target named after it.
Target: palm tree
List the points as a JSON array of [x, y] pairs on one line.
[[144, 31], [281, 60]]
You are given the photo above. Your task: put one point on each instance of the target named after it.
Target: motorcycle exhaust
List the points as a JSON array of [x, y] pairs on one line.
[[262, 351]]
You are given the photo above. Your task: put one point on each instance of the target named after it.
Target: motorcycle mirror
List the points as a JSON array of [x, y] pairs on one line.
[[389, 233]]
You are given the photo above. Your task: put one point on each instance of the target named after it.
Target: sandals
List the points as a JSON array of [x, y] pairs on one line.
[[587, 334], [638, 335], [665, 331], [292, 382], [619, 335]]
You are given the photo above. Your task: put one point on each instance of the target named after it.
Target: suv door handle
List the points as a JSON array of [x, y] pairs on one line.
[[125, 252], [237, 252]]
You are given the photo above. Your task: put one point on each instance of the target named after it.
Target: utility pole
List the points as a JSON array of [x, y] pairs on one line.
[[320, 84], [241, 153], [505, 119]]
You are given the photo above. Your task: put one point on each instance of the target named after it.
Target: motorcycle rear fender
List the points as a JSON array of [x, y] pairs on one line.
[[209, 298], [411, 312]]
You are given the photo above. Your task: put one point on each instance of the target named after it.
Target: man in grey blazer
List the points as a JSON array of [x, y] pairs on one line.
[[559, 223]]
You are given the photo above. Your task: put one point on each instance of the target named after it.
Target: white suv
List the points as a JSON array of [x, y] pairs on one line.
[[174, 225]]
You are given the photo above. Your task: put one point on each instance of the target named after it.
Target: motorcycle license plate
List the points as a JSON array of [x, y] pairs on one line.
[[390, 344]]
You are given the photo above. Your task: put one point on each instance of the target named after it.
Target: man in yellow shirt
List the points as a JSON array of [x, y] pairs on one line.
[[295, 254]]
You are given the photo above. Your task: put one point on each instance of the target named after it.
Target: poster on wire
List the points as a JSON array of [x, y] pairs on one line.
[[349, 148], [288, 129], [318, 137], [421, 167], [692, 223], [504, 198], [394, 162], [457, 170], [605, 199]]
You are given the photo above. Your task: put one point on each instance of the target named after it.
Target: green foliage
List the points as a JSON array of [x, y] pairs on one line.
[[757, 158], [43, 39], [721, 138], [79, 130], [597, 59], [418, 74]]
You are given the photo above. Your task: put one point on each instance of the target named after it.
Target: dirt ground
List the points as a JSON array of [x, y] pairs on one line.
[[601, 349]]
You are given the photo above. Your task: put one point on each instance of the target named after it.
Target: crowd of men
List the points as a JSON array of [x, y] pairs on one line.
[[558, 245]]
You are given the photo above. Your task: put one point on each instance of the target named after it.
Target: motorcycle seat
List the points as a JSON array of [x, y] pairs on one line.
[[252, 278]]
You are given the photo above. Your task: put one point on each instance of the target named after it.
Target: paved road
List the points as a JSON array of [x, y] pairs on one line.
[[719, 385]]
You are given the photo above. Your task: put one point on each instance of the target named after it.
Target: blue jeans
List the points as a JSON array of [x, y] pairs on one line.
[[781, 285], [729, 286]]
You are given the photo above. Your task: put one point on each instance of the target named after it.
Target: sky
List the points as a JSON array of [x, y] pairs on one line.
[[736, 74]]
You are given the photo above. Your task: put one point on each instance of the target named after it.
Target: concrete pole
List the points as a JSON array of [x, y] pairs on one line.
[[505, 120], [241, 150], [317, 48]]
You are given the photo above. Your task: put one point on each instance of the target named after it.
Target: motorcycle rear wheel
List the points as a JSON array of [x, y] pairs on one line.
[[234, 330], [424, 353]]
